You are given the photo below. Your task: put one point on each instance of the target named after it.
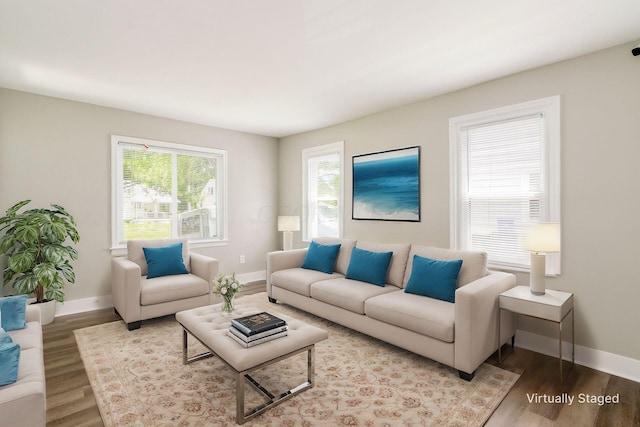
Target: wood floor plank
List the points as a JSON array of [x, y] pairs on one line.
[[71, 403]]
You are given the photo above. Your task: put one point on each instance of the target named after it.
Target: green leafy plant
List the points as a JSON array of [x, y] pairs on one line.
[[35, 242]]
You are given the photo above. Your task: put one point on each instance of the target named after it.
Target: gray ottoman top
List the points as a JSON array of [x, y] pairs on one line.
[[210, 327]]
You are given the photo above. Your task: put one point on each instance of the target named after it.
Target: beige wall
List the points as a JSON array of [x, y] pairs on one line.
[[58, 151], [600, 105]]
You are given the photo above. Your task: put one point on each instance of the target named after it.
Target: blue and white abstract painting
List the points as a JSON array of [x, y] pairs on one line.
[[386, 185]]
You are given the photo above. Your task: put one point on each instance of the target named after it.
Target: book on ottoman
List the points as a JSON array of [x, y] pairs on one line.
[[257, 323], [263, 337], [247, 338]]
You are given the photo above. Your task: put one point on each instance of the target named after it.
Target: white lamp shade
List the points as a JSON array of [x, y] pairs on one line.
[[545, 238], [288, 223]]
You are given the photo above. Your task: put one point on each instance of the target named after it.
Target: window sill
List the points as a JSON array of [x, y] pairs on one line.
[[122, 250]]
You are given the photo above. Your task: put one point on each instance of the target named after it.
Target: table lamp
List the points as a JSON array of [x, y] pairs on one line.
[[288, 224], [544, 239]]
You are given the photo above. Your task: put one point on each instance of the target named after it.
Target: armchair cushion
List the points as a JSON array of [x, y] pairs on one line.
[[164, 261], [172, 288]]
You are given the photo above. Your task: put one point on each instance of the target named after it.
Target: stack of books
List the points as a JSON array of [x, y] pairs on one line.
[[257, 329]]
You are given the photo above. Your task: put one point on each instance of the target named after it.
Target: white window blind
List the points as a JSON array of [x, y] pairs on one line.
[[322, 191], [165, 190], [505, 182]]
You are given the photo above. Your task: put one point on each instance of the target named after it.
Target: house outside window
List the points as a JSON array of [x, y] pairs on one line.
[[165, 190], [505, 178], [322, 188]]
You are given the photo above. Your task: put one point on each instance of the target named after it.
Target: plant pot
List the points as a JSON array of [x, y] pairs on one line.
[[47, 311]]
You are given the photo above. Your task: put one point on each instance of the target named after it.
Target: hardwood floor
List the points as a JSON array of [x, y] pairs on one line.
[[70, 400]]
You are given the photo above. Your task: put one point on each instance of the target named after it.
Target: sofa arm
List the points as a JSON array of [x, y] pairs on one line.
[[282, 260], [125, 288], [33, 314], [476, 320], [205, 267]]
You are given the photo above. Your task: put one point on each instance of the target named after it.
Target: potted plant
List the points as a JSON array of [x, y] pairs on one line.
[[39, 258]]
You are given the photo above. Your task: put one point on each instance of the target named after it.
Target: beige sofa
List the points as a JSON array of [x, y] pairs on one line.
[[462, 334], [24, 403], [137, 298]]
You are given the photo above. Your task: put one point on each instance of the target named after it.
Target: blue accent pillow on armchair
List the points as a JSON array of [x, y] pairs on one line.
[[165, 261], [434, 279], [367, 266], [321, 257], [12, 312]]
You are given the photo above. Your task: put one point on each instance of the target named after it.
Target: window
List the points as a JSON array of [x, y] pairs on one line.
[[165, 190], [322, 171], [505, 177]]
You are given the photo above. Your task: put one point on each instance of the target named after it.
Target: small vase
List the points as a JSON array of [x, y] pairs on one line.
[[227, 305]]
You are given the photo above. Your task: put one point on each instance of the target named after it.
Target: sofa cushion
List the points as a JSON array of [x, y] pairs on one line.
[[474, 263], [31, 373], [321, 257], [9, 362], [164, 261], [136, 254], [344, 254], [172, 288], [398, 263], [29, 337], [367, 266], [12, 312], [432, 278], [427, 316], [346, 293], [299, 280]]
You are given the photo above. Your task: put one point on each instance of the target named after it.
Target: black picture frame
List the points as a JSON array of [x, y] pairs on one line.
[[386, 185]]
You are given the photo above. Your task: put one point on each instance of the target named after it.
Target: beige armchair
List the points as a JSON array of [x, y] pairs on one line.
[[137, 297]]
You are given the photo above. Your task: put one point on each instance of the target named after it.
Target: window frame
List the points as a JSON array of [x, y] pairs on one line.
[[117, 230], [316, 152], [549, 108]]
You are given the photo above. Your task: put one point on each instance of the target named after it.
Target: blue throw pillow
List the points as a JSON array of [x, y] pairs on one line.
[[367, 266], [12, 312], [165, 261], [5, 338], [321, 257], [9, 361], [434, 279]]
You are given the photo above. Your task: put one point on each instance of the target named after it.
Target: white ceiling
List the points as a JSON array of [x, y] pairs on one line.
[[279, 67]]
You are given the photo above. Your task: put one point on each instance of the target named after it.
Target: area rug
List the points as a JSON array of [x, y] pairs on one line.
[[138, 379]]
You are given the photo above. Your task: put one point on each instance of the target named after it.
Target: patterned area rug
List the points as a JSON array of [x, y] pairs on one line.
[[139, 380]]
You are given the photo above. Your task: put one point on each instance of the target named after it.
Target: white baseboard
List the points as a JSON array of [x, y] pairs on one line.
[[610, 363], [254, 276], [84, 304]]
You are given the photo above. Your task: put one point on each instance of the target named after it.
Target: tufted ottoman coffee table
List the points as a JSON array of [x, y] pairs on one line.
[[210, 327]]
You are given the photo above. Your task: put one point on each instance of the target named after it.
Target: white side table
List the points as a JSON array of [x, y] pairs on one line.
[[553, 306]]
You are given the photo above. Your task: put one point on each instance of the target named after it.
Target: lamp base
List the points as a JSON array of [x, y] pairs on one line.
[[536, 278], [287, 240]]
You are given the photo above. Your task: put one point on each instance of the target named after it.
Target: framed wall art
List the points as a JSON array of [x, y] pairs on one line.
[[386, 185]]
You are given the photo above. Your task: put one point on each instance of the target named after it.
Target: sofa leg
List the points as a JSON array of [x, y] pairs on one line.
[[272, 300], [134, 325], [465, 376]]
